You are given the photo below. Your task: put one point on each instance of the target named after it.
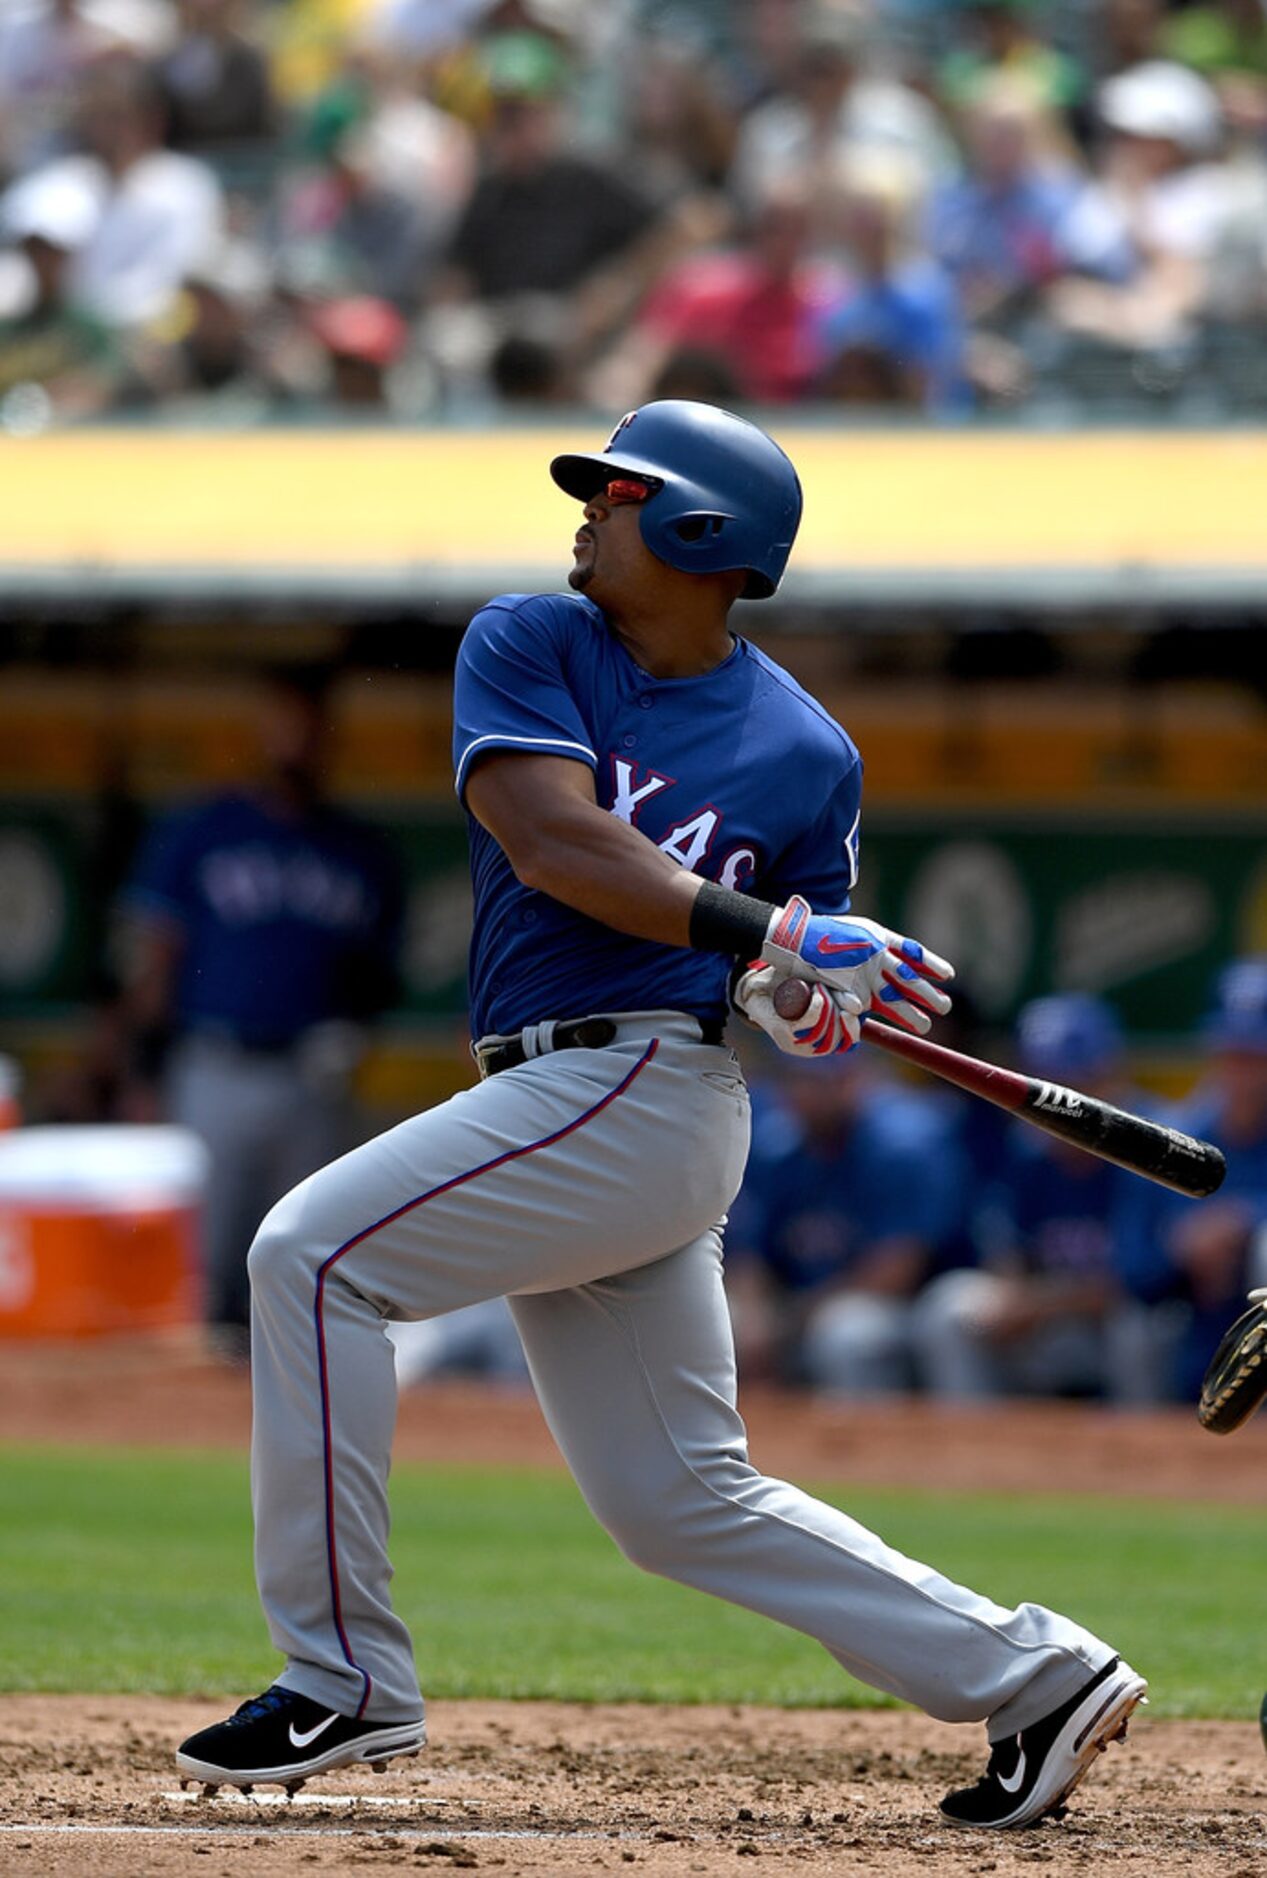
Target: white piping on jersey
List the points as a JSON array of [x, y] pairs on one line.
[[851, 849], [540, 743]]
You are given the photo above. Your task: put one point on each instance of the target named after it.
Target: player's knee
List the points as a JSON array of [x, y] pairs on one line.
[[661, 1526], [275, 1253], [653, 1547]]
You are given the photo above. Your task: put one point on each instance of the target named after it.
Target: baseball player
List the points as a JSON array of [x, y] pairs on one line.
[[652, 802]]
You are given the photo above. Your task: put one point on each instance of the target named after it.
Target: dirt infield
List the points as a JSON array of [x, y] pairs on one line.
[[553, 1791], [87, 1784]]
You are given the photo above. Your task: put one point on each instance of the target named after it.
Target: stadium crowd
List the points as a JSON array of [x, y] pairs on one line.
[[241, 209]]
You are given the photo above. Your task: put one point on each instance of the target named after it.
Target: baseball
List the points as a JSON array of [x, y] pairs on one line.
[[792, 998]]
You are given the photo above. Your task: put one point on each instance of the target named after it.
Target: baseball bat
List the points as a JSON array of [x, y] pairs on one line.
[[1131, 1141]]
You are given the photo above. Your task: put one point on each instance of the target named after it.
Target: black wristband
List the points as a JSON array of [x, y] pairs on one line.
[[725, 921]]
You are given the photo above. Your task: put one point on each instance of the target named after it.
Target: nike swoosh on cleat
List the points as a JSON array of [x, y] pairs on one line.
[[302, 1741], [1012, 1783]]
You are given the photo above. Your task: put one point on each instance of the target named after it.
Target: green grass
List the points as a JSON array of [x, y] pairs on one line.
[[131, 1571]]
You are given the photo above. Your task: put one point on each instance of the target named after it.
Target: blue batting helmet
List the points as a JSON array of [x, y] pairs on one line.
[[1070, 1034], [1238, 1020], [725, 495]]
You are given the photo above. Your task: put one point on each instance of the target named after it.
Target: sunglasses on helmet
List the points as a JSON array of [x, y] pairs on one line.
[[629, 489]]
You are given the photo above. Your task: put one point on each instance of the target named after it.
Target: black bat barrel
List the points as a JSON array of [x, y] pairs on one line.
[[1164, 1154]]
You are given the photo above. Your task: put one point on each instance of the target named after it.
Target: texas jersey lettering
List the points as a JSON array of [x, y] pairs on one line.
[[688, 762]]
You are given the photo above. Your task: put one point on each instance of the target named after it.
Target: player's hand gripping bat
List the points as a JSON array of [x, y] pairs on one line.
[[1142, 1147]]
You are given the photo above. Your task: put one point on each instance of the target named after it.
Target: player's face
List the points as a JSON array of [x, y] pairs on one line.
[[609, 557]]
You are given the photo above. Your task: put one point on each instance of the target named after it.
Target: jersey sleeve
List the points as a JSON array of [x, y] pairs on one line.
[[821, 863], [511, 692]]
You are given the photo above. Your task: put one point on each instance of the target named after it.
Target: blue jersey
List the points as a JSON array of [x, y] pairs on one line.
[[1054, 1207], [811, 1211], [1148, 1217], [284, 922], [738, 774]]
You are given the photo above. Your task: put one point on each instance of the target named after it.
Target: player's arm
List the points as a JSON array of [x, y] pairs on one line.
[[543, 814]]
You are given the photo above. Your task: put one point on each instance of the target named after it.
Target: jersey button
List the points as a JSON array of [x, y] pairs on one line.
[[646, 701], [628, 742]]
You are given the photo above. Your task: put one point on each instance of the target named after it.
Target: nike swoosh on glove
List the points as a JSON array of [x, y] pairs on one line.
[[891, 976], [831, 1023]]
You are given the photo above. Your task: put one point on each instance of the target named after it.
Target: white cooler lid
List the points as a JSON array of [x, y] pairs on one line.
[[99, 1168]]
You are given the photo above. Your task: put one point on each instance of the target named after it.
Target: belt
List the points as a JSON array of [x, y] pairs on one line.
[[581, 1033]]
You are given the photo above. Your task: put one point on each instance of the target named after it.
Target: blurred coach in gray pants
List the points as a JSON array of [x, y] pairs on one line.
[[264, 927]]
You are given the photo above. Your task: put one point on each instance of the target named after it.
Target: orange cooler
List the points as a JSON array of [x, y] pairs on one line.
[[98, 1229]]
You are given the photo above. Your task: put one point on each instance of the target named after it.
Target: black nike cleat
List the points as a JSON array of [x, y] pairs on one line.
[[1031, 1774], [281, 1736]]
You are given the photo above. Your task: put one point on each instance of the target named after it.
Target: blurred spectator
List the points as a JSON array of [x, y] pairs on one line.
[[46, 46], [1127, 33], [899, 309], [215, 83], [1155, 215], [206, 348], [1224, 41], [1002, 37], [264, 929], [540, 219], [701, 375], [677, 115], [833, 108], [1035, 1317], [853, 1187], [532, 363], [999, 229], [389, 173], [1194, 1260], [49, 348], [422, 28], [363, 338], [756, 308], [157, 215], [544, 220]]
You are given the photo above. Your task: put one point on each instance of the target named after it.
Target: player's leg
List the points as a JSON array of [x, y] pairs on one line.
[[587, 1163], [665, 1469]]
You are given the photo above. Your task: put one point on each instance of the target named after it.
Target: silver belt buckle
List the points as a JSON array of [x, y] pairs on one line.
[[482, 1052]]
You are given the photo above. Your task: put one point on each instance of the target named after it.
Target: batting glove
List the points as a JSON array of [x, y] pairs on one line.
[[891, 976], [831, 1023]]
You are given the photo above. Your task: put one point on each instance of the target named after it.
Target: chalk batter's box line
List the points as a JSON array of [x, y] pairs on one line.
[[215, 1830]]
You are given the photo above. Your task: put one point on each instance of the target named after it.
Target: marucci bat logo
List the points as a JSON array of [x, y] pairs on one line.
[[1058, 1101]]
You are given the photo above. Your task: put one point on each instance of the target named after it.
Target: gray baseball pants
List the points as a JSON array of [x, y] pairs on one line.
[[590, 1186]]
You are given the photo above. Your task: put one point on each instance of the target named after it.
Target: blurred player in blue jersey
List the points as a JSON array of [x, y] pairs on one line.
[[1196, 1263], [265, 928], [661, 820], [1040, 1315]]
